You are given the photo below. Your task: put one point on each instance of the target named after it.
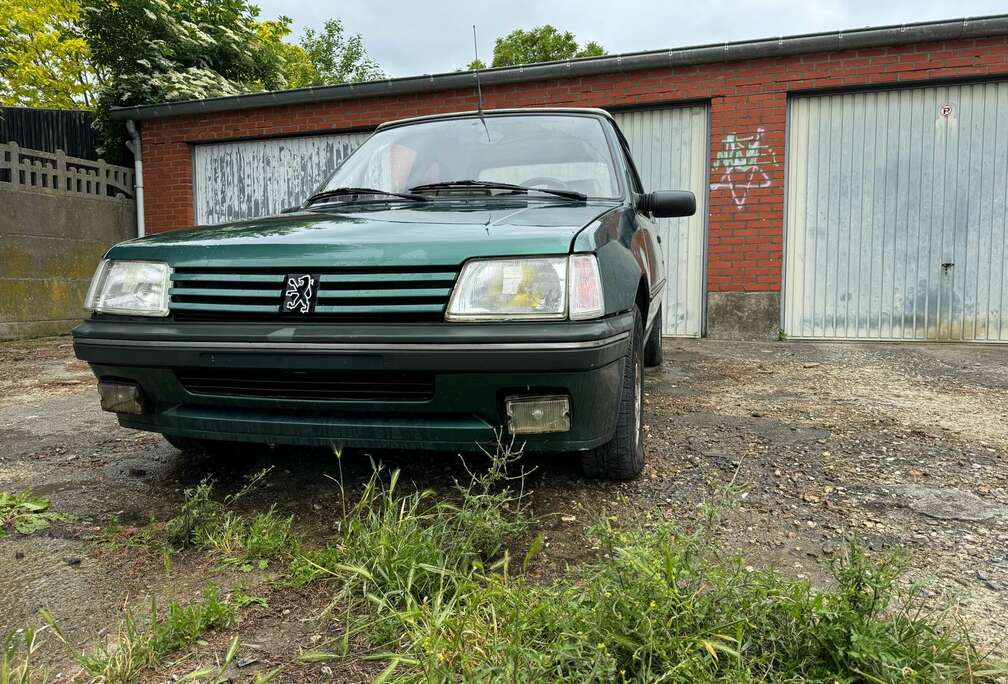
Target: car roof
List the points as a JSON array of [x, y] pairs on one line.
[[498, 112]]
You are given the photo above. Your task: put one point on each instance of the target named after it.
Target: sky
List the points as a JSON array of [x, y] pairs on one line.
[[408, 37]]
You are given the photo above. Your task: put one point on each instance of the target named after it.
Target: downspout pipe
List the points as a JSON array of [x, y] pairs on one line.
[[134, 145]]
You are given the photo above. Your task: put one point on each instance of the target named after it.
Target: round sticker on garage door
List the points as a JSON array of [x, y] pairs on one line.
[[945, 110]]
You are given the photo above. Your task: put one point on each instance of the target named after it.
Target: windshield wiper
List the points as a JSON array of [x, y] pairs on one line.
[[343, 192], [493, 185]]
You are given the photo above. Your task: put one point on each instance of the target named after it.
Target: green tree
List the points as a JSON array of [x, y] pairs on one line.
[[155, 51], [297, 69], [338, 58], [44, 60], [540, 44]]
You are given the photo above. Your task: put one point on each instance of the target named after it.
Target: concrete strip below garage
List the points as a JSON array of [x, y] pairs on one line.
[[743, 315]]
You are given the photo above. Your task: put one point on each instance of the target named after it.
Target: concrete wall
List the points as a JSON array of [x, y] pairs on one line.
[[50, 244], [743, 315]]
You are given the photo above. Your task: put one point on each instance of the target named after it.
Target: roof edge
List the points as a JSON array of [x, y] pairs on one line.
[[473, 113], [966, 27]]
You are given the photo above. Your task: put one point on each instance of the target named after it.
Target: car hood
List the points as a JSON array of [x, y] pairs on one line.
[[436, 234]]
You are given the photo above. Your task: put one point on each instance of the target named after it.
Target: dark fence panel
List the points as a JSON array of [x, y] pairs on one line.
[[49, 130]]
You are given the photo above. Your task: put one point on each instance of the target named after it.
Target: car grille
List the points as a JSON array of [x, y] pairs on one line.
[[344, 294], [308, 385]]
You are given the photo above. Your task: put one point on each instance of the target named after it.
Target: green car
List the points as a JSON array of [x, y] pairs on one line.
[[455, 276]]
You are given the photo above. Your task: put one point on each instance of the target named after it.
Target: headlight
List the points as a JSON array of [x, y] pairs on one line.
[[536, 288], [130, 288]]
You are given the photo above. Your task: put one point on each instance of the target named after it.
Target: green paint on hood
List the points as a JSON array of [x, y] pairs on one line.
[[439, 233]]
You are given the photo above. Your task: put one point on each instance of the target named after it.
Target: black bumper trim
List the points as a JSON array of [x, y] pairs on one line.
[[355, 346]]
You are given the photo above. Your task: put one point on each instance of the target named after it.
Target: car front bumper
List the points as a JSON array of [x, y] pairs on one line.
[[473, 368]]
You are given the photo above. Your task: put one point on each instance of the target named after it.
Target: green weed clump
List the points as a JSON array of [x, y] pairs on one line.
[[396, 550], [17, 652], [660, 607], [25, 513], [427, 586], [142, 642], [205, 522]]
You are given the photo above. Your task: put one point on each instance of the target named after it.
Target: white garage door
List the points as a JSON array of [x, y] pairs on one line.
[[896, 215], [246, 179], [670, 147]]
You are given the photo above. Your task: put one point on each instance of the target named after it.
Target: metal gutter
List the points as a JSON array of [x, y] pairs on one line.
[[136, 147], [966, 27]]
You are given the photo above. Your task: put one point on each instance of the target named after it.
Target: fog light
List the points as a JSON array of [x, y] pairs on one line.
[[120, 397], [534, 415]]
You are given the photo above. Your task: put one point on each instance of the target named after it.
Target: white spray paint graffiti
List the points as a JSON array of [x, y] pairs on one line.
[[743, 160]]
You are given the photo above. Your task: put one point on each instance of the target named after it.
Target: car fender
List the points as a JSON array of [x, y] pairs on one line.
[[622, 257]]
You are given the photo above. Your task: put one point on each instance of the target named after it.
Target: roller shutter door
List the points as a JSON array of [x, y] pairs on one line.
[[896, 215], [250, 178], [670, 148]]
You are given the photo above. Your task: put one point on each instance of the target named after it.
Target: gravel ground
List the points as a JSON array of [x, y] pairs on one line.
[[898, 446]]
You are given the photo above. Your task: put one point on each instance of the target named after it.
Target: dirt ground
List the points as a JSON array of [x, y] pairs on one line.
[[898, 446]]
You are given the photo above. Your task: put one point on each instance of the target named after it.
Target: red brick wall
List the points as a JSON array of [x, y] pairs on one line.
[[748, 99]]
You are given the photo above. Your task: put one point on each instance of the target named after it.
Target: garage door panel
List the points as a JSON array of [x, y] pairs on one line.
[[896, 214], [669, 147], [246, 179]]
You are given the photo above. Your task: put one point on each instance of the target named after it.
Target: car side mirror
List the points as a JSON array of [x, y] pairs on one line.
[[291, 210], [667, 203]]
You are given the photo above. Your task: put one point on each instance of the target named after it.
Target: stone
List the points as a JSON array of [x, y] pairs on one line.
[[949, 504]]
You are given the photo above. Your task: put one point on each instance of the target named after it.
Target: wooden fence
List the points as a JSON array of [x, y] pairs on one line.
[[56, 172]]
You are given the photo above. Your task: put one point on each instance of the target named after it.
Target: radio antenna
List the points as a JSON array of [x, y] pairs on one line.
[[479, 90]]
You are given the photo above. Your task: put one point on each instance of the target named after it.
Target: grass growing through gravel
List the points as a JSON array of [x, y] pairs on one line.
[[406, 547], [659, 607], [25, 513], [140, 642], [17, 651], [205, 522], [428, 585]]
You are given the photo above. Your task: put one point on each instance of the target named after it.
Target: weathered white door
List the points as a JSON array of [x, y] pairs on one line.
[[670, 148], [250, 178], [897, 222]]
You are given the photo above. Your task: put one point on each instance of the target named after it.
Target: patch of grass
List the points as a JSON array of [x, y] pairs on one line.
[[220, 674], [25, 513], [17, 651], [139, 643], [248, 542], [662, 606], [205, 522], [427, 587], [200, 515], [396, 550]]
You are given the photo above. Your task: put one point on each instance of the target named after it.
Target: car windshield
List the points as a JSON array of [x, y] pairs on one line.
[[549, 151]]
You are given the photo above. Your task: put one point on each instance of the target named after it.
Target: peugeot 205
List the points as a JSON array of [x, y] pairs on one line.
[[455, 276]]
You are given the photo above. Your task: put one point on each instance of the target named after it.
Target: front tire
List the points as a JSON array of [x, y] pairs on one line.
[[623, 457]]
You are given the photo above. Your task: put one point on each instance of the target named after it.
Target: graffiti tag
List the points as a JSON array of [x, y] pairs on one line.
[[742, 160]]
